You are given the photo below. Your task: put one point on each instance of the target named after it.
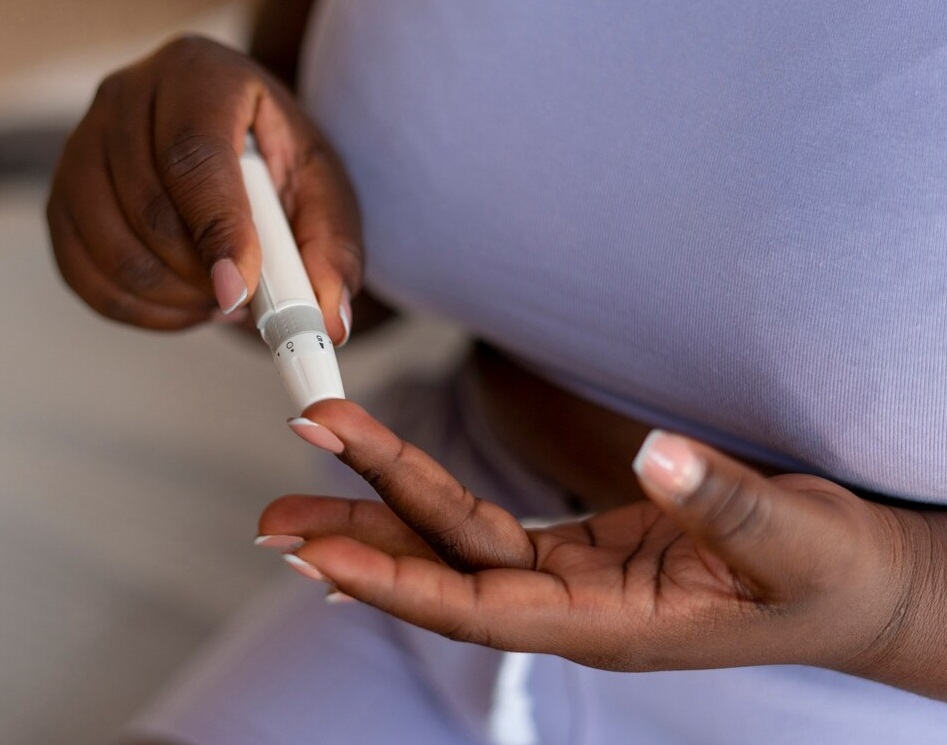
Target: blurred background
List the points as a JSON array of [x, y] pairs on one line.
[[133, 465]]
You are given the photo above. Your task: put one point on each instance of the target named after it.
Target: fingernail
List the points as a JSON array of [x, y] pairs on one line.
[[280, 542], [669, 464], [304, 568], [238, 316], [316, 434], [229, 287], [334, 597], [345, 313]]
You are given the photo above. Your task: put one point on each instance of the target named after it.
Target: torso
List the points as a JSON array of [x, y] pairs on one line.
[[725, 219]]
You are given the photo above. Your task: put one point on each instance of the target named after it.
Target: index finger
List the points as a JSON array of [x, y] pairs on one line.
[[200, 126], [467, 533]]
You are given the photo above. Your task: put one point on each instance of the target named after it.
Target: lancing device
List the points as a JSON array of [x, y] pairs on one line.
[[284, 305]]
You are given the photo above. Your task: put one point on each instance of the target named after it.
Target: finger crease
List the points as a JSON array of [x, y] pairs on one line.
[[589, 532], [659, 570], [629, 560]]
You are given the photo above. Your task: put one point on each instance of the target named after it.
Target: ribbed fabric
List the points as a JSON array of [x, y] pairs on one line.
[[725, 218]]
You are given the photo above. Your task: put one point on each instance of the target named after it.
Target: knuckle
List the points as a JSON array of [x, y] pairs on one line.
[[188, 156], [374, 478], [185, 45], [462, 546], [466, 630], [110, 89], [462, 631], [139, 270], [739, 511], [189, 170], [456, 534], [467, 625], [358, 511], [383, 478], [215, 237], [160, 218], [119, 308], [286, 510]]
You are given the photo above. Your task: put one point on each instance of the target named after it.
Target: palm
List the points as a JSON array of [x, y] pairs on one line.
[[749, 570], [638, 557], [630, 572]]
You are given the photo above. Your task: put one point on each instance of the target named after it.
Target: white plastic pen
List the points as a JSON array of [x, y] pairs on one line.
[[284, 305]]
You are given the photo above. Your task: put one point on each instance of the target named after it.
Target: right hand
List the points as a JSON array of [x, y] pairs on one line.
[[148, 215]]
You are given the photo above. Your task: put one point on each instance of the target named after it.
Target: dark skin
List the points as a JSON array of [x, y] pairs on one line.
[[736, 569], [740, 570], [148, 196]]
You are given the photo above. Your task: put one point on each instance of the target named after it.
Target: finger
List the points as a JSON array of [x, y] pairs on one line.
[[502, 608], [372, 523], [91, 196], [145, 203], [197, 150], [326, 224], [776, 537], [465, 531], [111, 301]]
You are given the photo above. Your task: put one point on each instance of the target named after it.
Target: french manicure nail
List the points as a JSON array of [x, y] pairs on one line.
[[304, 568], [316, 434], [669, 465], [334, 597], [345, 313], [283, 543], [229, 286], [238, 316]]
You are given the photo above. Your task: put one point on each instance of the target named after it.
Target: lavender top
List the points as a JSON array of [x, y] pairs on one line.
[[726, 218]]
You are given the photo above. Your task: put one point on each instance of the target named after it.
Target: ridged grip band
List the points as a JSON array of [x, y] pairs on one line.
[[290, 322]]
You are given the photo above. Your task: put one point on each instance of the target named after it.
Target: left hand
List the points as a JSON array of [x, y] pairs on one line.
[[721, 567]]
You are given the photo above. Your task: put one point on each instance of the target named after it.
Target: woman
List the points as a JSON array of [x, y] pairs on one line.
[[723, 221]]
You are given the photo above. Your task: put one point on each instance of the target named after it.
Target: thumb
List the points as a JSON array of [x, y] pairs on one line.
[[772, 536]]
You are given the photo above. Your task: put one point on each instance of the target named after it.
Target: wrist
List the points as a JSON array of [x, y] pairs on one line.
[[906, 646]]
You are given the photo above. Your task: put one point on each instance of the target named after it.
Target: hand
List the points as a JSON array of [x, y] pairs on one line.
[[148, 216], [721, 568]]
